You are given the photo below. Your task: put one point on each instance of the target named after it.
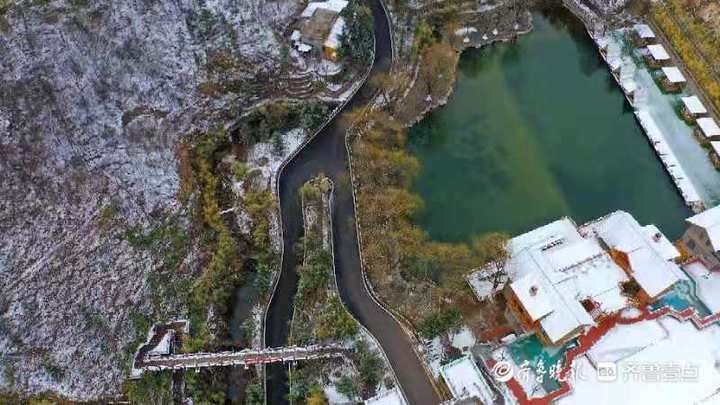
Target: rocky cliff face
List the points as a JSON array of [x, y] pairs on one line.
[[94, 99]]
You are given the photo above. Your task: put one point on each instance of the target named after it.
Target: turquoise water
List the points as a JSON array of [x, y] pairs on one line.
[[540, 359], [534, 131], [682, 296]]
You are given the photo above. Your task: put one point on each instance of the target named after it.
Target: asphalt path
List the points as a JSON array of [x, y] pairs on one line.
[[326, 154]]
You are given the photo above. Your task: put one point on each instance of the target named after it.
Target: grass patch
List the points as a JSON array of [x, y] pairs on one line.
[[693, 42]]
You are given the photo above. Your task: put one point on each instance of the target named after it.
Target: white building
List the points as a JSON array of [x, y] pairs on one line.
[[708, 129], [672, 79], [643, 252], [644, 33], [562, 278], [321, 28], [465, 381], [693, 106], [657, 55]]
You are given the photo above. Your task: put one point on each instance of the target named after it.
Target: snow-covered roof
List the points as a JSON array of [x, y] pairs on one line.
[[673, 74], [163, 347], [650, 273], [658, 52], [332, 5], [568, 316], [694, 105], [616, 231], [561, 231], [570, 255], [533, 292], [303, 47], [387, 397], [644, 31], [715, 145], [710, 221], [620, 231], [295, 36], [660, 243], [551, 270], [708, 126], [333, 39], [683, 369], [464, 380], [554, 268], [623, 341]]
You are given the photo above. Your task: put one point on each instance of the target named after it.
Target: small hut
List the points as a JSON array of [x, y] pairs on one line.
[[707, 130], [642, 35], [692, 108], [320, 28], [656, 56], [672, 79]]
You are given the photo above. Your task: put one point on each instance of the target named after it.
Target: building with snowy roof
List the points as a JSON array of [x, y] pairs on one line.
[[562, 278], [692, 108], [672, 79], [707, 129], [702, 237], [465, 381], [321, 27], [656, 56], [644, 253], [642, 35]]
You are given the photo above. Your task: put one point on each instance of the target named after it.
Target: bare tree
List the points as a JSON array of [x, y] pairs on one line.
[[491, 248], [391, 86]]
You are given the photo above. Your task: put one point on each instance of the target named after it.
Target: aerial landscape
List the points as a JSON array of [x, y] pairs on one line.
[[382, 202]]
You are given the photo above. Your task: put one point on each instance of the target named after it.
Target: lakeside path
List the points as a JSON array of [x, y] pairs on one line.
[[326, 154]]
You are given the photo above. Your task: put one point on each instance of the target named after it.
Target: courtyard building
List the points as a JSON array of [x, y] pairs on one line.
[[321, 28], [562, 279]]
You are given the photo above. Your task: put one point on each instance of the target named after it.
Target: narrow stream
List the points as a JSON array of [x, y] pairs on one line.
[[537, 130]]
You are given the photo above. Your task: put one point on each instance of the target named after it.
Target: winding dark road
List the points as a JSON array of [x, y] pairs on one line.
[[326, 154]]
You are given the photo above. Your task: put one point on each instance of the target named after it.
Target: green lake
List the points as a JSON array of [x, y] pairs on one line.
[[536, 130]]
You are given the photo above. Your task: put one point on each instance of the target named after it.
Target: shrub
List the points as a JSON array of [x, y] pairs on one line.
[[438, 322], [334, 322], [683, 45], [357, 41], [370, 367], [347, 386]]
